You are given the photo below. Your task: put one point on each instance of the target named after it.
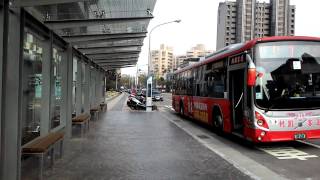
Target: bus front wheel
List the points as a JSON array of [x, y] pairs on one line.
[[181, 109]]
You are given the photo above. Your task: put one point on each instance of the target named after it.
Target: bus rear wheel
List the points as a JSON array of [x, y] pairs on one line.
[[218, 123]]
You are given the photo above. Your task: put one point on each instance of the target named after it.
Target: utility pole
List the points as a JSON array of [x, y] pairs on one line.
[[116, 82], [137, 77]]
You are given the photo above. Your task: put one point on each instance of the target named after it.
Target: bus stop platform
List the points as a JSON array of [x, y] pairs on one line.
[[138, 145]]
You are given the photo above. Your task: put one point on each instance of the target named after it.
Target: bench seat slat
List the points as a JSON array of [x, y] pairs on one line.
[[81, 118], [42, 144], [94, 109]]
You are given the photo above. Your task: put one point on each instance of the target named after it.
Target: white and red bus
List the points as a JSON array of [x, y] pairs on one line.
[[265, 90]]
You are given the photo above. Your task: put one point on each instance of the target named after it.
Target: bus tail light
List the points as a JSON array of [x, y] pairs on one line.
[[261, 122]]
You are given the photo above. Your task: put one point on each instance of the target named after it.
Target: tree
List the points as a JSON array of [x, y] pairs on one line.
[[142, 79], [161, 82], [126, 81], [168, 86], [111, 85]]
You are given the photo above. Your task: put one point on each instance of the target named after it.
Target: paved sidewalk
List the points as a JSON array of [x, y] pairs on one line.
[[111, 96], [139, 145]]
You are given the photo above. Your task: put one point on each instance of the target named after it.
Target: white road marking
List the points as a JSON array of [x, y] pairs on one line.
[[169, 107], [288, 153]]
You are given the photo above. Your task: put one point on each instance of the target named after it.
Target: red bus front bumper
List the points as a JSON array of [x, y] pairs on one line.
[[256, 135]]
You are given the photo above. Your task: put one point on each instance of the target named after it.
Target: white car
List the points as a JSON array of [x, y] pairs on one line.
[[156, 96]]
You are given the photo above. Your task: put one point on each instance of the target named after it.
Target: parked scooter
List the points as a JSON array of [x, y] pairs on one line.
[[134, 103]]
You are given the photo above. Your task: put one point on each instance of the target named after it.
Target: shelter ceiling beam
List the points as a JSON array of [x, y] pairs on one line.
[[73, 23], [94, 37], [116, 61], [112, 40], [111, 46], [114, 58], [106, 50], [29, 3], [114, 53]]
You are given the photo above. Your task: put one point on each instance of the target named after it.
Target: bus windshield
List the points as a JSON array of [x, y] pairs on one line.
[[288, 75]]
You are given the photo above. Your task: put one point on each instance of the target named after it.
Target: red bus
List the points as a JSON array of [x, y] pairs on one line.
[[265, 90]]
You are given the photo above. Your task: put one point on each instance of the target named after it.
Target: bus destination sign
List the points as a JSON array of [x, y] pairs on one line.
[[237, 59]]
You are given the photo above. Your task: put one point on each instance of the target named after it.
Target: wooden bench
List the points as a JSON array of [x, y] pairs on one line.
[[41, 146], [83, 120], [95, 112]]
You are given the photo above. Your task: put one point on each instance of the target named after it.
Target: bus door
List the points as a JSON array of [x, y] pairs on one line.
[[236, 89]]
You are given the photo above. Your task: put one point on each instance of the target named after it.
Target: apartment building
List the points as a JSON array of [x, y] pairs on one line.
[[178, 60], [243, 20], [162, 60], [198, 52]]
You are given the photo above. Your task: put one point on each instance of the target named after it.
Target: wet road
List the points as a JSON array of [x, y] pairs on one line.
[[139, 145], [127, 144], [295, 160]]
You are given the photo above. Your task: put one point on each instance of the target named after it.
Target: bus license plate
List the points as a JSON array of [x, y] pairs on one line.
[[300, 136]]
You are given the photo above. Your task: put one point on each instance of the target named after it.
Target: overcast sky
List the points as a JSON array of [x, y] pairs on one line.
[[199, 25]]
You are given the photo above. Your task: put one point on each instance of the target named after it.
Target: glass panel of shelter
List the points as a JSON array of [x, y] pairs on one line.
[[92, 87], [97, 80], [78, 88], [56, 93], [74, 84], [86, 87], [32, 82], [102, 81], [83, 84]]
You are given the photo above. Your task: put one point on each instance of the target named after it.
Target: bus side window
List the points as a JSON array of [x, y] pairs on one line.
[[198, 90], [216, 83], [202, 81], [219, 83]]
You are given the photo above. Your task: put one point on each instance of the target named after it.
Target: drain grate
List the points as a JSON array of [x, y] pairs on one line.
[[203, 136]]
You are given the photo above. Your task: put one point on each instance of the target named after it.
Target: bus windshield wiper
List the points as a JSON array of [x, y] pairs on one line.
[[273, 103], [268, 108]]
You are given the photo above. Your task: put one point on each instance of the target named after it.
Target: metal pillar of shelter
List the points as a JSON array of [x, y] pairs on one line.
[[10, 90]]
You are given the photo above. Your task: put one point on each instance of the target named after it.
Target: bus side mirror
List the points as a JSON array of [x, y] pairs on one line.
[[251, 76]]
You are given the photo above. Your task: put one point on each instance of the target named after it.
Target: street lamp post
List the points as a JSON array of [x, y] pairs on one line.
[[138, 70], [149, 51], [149, 88]]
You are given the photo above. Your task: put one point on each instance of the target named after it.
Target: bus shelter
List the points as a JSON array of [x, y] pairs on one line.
[[54, 59]]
